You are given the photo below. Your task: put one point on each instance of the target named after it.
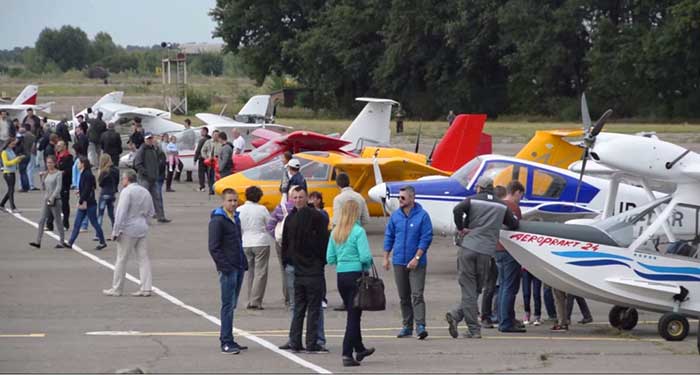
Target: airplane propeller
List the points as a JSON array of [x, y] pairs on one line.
[[378, 179], [420, 128], [589, 135]]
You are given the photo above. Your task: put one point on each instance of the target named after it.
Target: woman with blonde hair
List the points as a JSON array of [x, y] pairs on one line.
[[108, 180], [348, 249]]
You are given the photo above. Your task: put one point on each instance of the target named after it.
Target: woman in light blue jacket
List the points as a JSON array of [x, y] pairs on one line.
[[348, 249]]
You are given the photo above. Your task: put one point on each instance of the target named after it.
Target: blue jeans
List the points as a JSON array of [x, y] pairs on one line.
[[532, 286], [23, 177], [159, 186], [91, 213], [106, 201], [509, 283], [30, 171], [289, 274], [549, 302], [231, 283]]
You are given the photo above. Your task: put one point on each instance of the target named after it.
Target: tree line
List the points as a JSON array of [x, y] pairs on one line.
[[67, 48], [639, 57]]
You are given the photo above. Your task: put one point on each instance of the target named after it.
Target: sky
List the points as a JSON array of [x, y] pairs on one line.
[[129, 22]]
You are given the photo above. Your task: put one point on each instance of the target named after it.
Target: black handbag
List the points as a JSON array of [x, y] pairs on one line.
[[370, 293]]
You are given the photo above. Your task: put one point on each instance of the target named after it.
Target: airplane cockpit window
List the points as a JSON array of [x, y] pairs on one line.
[[547, 185], [264, 151], [313, 170], [502, 172], [465, 174], [271, 170], [187, 139]]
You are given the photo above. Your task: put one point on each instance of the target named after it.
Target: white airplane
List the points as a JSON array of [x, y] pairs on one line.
[[370, 127], [645, 258], [153, 120], [25, 100]]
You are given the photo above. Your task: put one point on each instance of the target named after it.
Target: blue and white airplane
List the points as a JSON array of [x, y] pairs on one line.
[[550, 192]]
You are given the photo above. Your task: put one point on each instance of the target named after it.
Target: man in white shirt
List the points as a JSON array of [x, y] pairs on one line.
[[238, 142], [346, 194], [129, 230], [256, 245]]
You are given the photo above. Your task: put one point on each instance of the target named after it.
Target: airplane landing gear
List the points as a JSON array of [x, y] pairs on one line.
[[624, 318], [673, 327]]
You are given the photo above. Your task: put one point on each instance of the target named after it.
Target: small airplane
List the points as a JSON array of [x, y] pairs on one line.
[[370, 127], [645, 258], [551, 193], [154, 120], [321, 167], [24, 101]]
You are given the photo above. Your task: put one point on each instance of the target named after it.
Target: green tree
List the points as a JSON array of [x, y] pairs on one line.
[[336, 57], [67, 47], [257, 30], [207, 63], [102, 47]]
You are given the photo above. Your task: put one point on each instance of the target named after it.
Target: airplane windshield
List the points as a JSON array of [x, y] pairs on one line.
[[625, 228], [467, 171], [264, 151], [272, 170]]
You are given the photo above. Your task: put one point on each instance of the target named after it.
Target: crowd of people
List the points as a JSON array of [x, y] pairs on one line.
[[305, 238]]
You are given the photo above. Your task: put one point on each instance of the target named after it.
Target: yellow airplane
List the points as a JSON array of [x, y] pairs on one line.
[[320, 168], [549, 147]]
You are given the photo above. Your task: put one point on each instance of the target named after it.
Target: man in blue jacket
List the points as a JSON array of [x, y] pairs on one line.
[[226, 249], [409, 234]]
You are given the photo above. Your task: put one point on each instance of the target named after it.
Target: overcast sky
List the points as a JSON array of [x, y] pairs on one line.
[[129, 22]]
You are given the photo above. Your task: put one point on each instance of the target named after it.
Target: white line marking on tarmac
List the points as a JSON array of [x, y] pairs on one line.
[[272, 347], [15, 335]]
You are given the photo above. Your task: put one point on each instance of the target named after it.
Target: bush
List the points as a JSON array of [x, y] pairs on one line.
[[198, 101], [15, 71]]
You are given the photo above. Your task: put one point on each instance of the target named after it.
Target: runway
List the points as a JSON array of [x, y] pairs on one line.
[[55, 319]]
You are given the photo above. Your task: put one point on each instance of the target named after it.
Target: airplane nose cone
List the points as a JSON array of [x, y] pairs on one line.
[[377, 193]]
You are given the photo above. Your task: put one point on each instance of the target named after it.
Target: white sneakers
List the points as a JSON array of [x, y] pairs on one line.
[[111, 293], [142, 293]]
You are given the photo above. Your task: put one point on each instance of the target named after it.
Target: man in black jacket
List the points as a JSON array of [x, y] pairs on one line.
[[136, 138], [226, 156], [81, 143], [148, 168], [201, 168], [62, 131], [304, 242], [94, 134], [226, 249], [111, 143]]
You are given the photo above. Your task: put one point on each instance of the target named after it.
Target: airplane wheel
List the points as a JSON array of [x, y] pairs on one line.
[[673, 327], [623, 318]]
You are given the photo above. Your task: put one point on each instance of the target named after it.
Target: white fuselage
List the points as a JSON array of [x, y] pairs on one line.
[[619, 276]]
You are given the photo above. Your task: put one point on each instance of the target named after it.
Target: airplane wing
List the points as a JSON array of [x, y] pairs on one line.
[[243, 125], [142, 112], [393, 169], [210, 118], [558, 212], [265, 134], [656, 287], [310, 141]]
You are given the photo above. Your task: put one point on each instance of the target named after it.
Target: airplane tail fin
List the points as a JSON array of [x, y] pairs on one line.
[[112, 97], [27, 96], [462, 142], [259, 108], [372, 125], [549, 147]]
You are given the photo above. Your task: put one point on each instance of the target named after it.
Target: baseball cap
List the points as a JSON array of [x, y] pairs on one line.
[[484, 182], [148, 135], [294, 163]]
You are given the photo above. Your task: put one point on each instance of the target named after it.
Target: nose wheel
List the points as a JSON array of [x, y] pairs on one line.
[[624, 318], [673, 327]]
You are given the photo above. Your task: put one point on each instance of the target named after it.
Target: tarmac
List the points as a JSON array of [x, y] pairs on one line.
[[56, 320]]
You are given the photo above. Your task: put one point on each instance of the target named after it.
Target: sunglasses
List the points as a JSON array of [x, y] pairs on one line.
[[402, 198]]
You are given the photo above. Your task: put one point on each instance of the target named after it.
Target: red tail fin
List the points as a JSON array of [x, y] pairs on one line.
[[462, 142]]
